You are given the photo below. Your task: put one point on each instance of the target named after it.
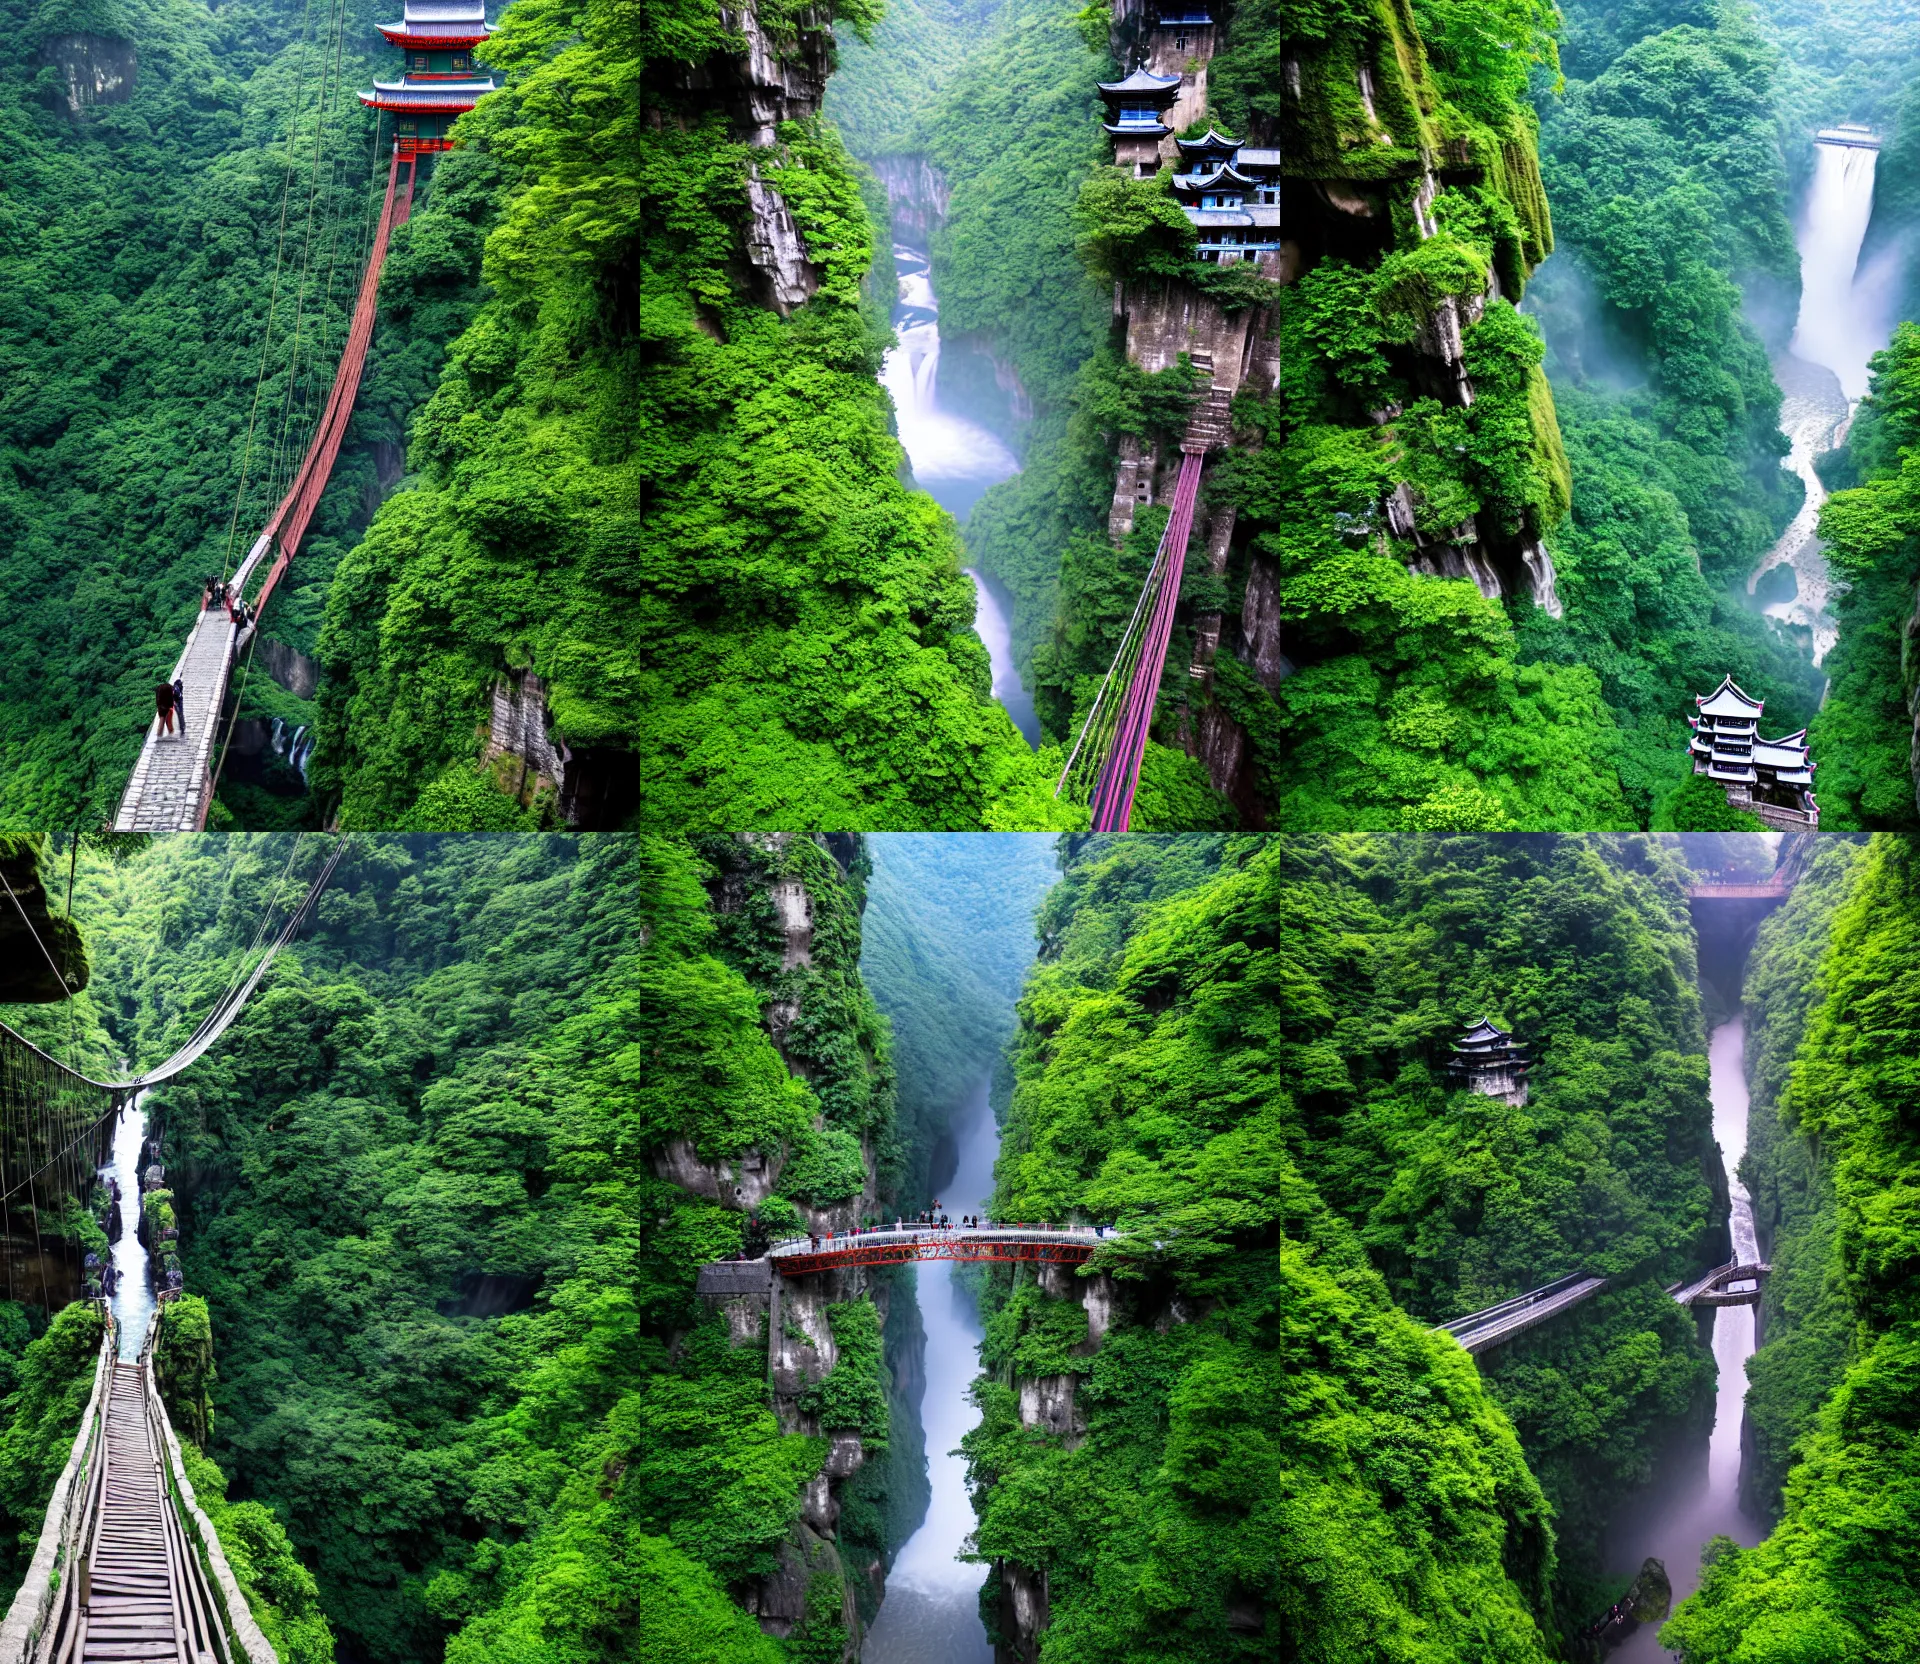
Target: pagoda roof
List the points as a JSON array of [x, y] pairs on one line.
[[1137, 129], [435, 34], [1206, 181], [1483, 1033], [1741, 772], [1142, 82], [1780, 754], [446, 11], [1212, 139], [432, 95], [1729, 700]]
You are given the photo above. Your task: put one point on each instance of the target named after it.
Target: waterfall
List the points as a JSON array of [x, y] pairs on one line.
[[931, 1614], [1844, 319], [1695, 1494], [1832, 328], [954, 459], [133, 1297]]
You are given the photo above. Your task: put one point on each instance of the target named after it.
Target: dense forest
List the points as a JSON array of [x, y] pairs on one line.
[[1241, 1042], [1835, 1384], [444, 1189]]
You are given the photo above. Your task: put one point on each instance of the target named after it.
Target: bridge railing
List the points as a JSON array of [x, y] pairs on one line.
[[220, 1623], [45, 1618]]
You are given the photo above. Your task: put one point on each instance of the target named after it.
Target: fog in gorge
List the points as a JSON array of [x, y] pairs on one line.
[[948, 936], [955, 459]]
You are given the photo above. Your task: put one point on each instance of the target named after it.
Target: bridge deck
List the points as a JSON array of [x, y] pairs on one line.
[[1000, 1244], [1481, 1330], [171, 788], [168, 789], [136, 1607], [1738, 892]]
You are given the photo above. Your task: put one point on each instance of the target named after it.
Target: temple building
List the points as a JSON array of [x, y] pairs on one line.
[[1231, 192], [1772, 779], [438, 83], [1136, 118], [1487, 1061]]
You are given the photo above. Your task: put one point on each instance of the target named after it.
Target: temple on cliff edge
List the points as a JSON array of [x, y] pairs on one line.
[[438, 84], [1486, 1060], [1772, 779]]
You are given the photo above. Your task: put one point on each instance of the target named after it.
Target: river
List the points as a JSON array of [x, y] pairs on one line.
[[931, 1613], [1845, 317], [1696, 1495], [133, 1299], [954, 460]]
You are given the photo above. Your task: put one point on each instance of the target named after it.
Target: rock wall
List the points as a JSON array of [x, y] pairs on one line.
[[776, 79], [917, 196], [288, 666], [1335, 205], [783, 899], [1049, 1404], [98, 71], [41, 954]]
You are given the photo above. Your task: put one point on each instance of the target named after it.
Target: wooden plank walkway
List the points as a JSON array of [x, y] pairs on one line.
[[137, 1605]]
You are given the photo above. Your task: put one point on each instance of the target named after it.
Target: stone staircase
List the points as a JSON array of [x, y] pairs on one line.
[[1211, 424]]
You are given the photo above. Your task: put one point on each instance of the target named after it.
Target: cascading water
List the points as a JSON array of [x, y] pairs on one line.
[[133, 1293], [931, 1614], [1697, 1496], [1832, 329], [954, 460], [1843, 321]]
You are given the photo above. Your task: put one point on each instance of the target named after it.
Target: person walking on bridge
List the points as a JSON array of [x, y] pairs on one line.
[[180, 705], [163, 705]]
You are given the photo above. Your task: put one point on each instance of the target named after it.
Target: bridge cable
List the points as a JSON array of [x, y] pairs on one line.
[[329, 72], [273, 300]]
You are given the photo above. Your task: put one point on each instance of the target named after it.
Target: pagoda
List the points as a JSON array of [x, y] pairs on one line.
[[438, 83], [1486, 1057], [1772, 779], [1231, 192], [1136, 117]]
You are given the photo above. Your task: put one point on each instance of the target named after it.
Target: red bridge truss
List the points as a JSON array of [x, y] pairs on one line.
[[996, 1244]]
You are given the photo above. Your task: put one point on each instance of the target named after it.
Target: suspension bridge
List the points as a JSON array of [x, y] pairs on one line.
[[171, 788], [127, 1566]]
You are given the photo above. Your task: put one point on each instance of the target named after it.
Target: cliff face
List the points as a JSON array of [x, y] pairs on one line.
[[1383, 175], [97, 69], [790, 908], [42, 956], [677, 576]]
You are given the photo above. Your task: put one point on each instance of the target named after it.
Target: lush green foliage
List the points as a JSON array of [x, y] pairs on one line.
[[1804, 1315], [144, 248], [52, 1379], [678, 507], [1839, 1578], [460, 1357], [1864, 730], [1234, 1051], [1669, 200]]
